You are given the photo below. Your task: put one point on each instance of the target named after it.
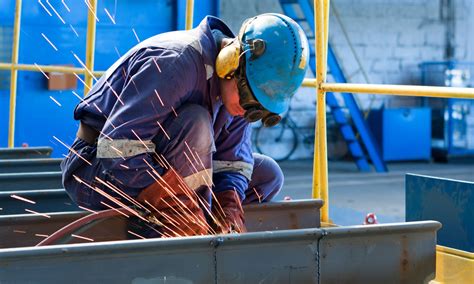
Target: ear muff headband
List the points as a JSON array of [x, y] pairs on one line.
[[227, 61]]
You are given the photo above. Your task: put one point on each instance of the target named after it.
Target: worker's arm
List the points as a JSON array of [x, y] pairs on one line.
[[157, 81], [233, 160], [232, 171]]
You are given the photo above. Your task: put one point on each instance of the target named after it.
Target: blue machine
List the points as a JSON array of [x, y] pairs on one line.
[[339, 112], [453, 119], [403, 133], [38, 116], [447, 201]]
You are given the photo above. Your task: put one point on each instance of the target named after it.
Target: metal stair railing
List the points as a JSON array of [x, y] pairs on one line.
[[337, 110]]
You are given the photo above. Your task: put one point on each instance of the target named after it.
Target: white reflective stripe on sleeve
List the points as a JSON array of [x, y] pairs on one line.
[[203, 177], [243, 168], [119, 148]]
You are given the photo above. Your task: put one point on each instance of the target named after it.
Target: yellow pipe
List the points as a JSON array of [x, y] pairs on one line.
[[309, 82], [317, 46], [14, 74], [189, 14], [90, 44], [323, 169], [47, 68], [401, 90]]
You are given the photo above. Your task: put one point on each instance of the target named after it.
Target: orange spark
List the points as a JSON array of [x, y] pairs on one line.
[[80, 79], [81, 237], [158, 96], [89, 6], [110, 16], [114, 92], [157, 66], [87, 209], [41, 70], [74, 30], [19, 231], [164, 131], [120, 212], [174, 111], [81, 99], [47, 39], [56, 12], [37, 213], [65, 6], [42, 235], [259, 196], [138, 137], [72, 150], [84, 66], [97, 107], [136, 235], [22, 198], [44, 7], [54, 100], [133, 30]]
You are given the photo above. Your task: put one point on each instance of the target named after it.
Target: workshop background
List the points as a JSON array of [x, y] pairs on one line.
[[419, 42]]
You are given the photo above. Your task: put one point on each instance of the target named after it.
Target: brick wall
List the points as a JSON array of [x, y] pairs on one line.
[[391, 38]]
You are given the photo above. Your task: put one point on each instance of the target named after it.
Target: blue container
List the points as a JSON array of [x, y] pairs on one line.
[[403, 133], [40, 121], [447, 201]]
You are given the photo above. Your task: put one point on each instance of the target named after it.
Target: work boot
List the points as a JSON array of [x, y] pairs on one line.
[[227, 210], [175, 206]]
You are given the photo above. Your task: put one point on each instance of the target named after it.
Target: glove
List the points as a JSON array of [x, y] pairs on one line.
[[175, 206], [228, 212]]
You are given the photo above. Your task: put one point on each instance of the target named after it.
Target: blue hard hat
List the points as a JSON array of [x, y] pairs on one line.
[[275, 75]]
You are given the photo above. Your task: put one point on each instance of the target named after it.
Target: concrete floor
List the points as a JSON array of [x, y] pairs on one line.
[[353, 194]]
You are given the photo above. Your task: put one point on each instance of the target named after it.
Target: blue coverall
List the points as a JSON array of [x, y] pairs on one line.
[[163, 97]]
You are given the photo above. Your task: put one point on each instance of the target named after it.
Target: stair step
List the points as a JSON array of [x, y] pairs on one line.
[[348, 132]]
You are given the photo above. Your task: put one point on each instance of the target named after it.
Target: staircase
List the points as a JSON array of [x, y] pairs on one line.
[[302, 12]]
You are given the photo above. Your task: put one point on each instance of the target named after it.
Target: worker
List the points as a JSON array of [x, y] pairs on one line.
[[167, 127]]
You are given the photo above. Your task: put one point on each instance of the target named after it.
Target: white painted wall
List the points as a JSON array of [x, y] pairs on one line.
[[391, 38]]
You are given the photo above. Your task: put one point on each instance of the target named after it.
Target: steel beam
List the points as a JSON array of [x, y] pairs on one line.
[[30, 165], [28, 181], [395, 253], [45, 201], [22, 230], [25, 153]]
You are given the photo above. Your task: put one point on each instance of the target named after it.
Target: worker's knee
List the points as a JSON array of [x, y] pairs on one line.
[[196, 125], [267, 180], [191, 127]]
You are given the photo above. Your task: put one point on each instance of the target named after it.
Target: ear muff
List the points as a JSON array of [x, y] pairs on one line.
[[227, 60]]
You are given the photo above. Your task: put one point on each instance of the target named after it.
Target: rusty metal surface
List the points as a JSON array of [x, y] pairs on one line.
[[46, 200], [30, 165], [22, 230], [389, 253], [28, 181], [260, 217], [25, 153]]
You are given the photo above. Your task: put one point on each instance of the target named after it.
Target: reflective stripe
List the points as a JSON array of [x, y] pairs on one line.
[[209, 71], [243, 168], [203, 177], [123, 148]]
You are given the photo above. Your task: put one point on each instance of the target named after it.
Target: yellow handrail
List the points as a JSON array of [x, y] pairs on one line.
[[14, 74], [48, 68], [90, 44], [320, 184], [189, 14], [320, 172]]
